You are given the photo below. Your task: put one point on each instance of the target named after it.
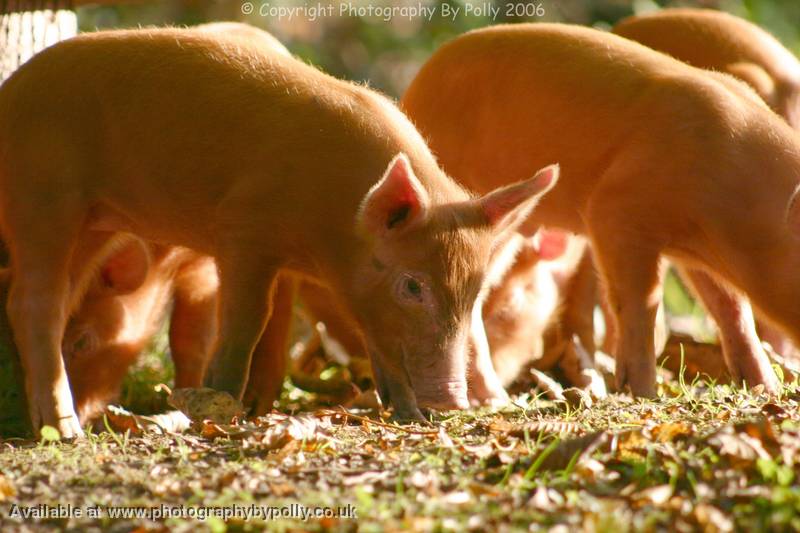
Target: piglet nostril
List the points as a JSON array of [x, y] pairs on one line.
[[365, 383]]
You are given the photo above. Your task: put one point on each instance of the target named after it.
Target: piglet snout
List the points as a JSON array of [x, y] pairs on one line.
[[442, 395]]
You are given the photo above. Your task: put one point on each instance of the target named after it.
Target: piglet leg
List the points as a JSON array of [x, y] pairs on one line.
[[270, 357], [744, 356], [246, 290], [484, 385], [193, 324], [37, 310], [630, 269], [581, 296], [779, 341]]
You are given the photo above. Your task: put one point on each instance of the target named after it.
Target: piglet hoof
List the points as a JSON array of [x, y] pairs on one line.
[[59, 415], [496, 400], [258, 406], [259, 402], [69, 427], [409, 416], [766, 380], [640, 386], [754, 367], [643, 390], [483, 392], [639, 373]]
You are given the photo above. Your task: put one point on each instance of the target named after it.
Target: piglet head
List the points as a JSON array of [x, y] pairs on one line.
[[420, 276], [523, 300], [125, 269]]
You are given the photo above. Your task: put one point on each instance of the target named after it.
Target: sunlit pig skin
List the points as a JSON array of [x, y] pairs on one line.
[[657, 158], [305, 173]]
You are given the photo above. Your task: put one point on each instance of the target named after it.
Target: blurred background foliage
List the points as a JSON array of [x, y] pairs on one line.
[[387, 53]]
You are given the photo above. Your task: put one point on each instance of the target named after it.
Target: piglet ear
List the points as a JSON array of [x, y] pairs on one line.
[[550, 243], [506, 208], [125, 269], [396, 202], [793, 213]]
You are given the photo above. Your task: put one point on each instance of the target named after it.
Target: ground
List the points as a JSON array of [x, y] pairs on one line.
[[701, 457]]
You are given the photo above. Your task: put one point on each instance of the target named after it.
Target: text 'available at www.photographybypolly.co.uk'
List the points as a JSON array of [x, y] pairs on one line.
[[293, 511]]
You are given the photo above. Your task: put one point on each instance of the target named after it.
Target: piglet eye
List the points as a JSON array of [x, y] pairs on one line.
[[409, 289], [413, 288]]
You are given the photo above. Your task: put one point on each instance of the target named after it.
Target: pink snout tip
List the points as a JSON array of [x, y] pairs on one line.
[[444, 397]]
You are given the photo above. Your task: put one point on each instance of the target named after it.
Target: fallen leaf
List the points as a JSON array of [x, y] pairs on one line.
[[671, 431], [551, 388], [275, 430], [7, 489], [210, 430], [708, 515], [206, 404], [658, 495], [123, 420], [459, 497], [367, 478]]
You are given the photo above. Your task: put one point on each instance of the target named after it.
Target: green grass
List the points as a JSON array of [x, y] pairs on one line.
[[699, 457]]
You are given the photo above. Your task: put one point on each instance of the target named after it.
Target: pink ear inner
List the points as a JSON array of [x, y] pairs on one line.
[[551, 244], [502, 202], [396, 199], [125, 270]]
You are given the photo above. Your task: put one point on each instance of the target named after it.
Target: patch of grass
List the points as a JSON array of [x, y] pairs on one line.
[[699, 457], [154, 366]]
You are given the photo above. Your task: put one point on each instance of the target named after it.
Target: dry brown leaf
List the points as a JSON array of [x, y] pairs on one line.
[[366, 478], [740, 447], [775, 410], [458, 497], [658, 495], [500, 425], [277, 430], [483, 489], [122, 420], [210, 430], [671, 431], [7, 489], [281, 490], [761, 429], [206, 404], [712, 518], [566, 450], [479, 451], [551, 388], [629, 444], [366, 400], [170, 422], [579, 368], [540, 499], [444, 439], [699, 359]]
